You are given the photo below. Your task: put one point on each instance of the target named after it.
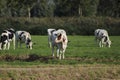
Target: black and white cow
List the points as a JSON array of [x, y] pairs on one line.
[[101, 36], [59, 40], [23, 37], [6, 37]]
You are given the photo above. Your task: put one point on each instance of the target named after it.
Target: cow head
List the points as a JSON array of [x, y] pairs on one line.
[[29, 43], [58, 38], [108, 43]]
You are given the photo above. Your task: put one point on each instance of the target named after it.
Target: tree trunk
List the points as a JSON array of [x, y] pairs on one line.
[[79, 11], [29, 14]]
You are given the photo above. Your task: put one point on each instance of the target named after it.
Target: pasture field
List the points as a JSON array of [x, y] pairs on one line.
[[80, 50], [84, 60]]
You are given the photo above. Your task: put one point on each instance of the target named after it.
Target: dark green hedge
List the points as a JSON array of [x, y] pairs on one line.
[[72, 25]]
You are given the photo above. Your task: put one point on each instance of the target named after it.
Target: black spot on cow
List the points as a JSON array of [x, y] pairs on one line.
[[52, 31], [3, 38], [105, 39], [28, 41], [98, 33], [11, 36], [21, 35]]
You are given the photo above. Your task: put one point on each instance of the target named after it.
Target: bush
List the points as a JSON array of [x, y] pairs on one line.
[[72, 25]]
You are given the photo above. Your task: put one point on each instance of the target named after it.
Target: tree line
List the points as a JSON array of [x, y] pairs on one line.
[[59, 8]]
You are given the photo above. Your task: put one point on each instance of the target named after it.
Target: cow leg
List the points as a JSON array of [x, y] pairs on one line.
[[63, 50], [60, 56], [49, 42], [58, 51], [63, 54], [100, 44], [30, 47], [109, 45], [53, 51], [0, 46], [4, 46], [8, 45], [14, 42]]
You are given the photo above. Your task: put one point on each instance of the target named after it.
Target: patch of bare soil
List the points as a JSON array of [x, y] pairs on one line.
[[62, 72]]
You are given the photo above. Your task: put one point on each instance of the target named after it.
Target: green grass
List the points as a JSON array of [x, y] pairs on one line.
[[80, 50]]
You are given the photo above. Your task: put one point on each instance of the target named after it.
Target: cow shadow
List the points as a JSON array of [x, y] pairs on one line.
[[28, 58], [34, 57]]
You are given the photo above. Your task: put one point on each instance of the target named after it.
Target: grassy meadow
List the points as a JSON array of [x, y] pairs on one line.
[[80, 50], [84, 60]]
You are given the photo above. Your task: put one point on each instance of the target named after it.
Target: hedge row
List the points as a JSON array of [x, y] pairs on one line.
[[72, 25]]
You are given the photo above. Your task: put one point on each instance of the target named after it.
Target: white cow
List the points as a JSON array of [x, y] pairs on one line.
[[59, 40], [50, 31], [6, 37], [101, 36], [24, 37]]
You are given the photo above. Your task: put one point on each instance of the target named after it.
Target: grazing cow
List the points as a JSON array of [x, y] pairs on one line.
[[23, 37], [60, 40], [102, 37], [6, 37]]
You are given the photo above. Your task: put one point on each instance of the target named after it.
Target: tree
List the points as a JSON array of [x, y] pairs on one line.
[[63, 8], [43, 8], [86, 7], [28, 4], [76, 7], [109, 8], [2, 7]]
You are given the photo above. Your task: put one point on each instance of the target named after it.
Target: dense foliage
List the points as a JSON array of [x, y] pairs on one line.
[[46, 8], [73, 25]]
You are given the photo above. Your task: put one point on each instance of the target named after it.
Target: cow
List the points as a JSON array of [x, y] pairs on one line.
[[50, 31], [101, 36], [23, 37], [59, 39], [6, 37]]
